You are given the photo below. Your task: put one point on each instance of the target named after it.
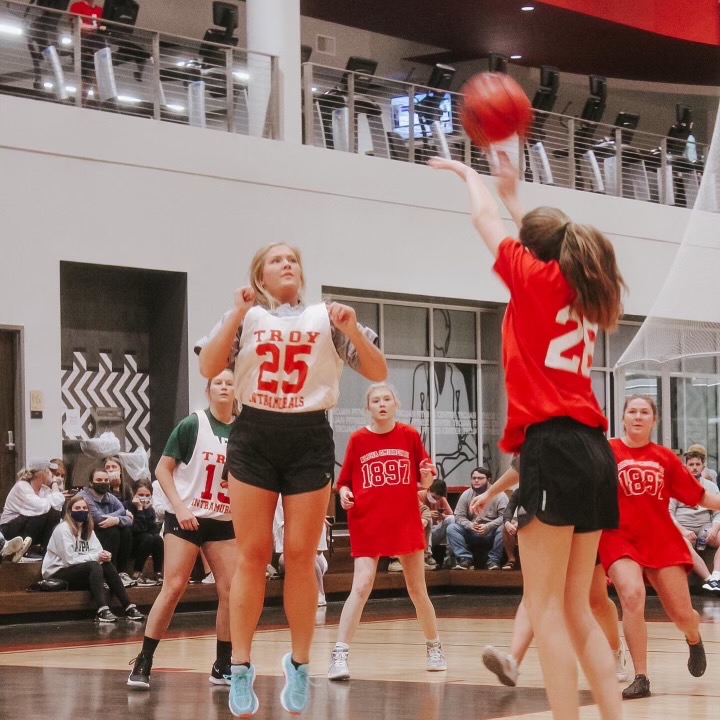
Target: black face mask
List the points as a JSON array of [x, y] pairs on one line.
[[79, 516], [101, 488]]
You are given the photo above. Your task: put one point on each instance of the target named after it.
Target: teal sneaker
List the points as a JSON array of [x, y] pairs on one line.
[[294, 696], [243, 700]]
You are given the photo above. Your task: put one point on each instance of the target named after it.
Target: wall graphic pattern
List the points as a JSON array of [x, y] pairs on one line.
[[84, 389]]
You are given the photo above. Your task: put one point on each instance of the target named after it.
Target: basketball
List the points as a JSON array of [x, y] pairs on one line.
[[494, 107]]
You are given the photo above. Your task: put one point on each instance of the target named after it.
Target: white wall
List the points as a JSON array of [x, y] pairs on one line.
[[91, 187]]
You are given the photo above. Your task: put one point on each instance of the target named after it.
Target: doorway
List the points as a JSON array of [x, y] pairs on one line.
[[11, 422]]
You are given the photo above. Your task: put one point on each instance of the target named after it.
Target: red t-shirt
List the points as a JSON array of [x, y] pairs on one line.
[[547, 347], [648, 477], [382, 471], [82, 8]]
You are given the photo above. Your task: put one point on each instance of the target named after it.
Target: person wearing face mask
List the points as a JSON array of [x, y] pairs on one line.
[[145, 533], [472, 531], [74, 554], [118, 485], [435, 499], [113, 523]]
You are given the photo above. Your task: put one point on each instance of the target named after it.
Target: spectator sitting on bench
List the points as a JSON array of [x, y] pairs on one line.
[[75, 555], [113, 523], [435, 500], [32, 508], [699, 525], [470, 532], [119, 485], [146, 539]]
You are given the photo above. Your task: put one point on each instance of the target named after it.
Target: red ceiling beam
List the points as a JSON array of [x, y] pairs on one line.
[[693, 20]]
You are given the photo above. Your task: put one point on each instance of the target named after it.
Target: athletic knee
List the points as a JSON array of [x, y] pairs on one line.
[[362, 587], [632, 599]]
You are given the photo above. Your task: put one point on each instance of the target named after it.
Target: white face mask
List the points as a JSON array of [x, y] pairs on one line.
[[431, 499]]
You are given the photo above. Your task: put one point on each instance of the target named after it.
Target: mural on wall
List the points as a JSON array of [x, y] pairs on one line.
[[86, 389]]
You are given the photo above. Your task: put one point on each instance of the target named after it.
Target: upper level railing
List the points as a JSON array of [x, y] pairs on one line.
[[50, 55], [386, 118], [56, 56]]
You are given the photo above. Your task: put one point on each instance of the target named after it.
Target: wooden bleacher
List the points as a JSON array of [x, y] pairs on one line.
[[17, 603]]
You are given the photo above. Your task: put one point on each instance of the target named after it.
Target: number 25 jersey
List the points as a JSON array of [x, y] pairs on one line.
[[288, 363], [547, 347]]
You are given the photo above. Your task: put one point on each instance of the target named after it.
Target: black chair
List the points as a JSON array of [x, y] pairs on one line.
[[544, 99], [43, 31], [213, 59]]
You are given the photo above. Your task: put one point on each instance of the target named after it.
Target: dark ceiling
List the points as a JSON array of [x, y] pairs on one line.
[[471, 29]]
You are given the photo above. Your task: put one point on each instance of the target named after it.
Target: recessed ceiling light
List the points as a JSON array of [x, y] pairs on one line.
[[527, 8], [515, 57]]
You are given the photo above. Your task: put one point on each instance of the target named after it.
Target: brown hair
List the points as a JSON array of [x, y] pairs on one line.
[[650, 401], [586, 258], [87, 527], [142, 482], [262, 296]]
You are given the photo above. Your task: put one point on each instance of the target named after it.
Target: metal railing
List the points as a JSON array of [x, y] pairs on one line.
[[50, 55], [386, 118]]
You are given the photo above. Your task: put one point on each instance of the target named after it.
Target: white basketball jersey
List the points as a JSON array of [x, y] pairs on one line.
[[288, 364], [199, 483]]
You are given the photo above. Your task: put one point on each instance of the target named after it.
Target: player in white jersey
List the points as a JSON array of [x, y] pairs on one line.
[[198, 516], [288, 358]]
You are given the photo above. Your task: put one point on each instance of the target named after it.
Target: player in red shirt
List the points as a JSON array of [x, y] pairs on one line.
[[564, 284], [648, 544], [378, 486]]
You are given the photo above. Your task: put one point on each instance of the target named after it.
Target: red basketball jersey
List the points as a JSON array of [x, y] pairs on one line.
[[648, 477], [547, 347], [382, 470]]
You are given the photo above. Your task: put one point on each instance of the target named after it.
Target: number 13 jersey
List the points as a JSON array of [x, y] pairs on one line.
[[547, 347], [288, 363]]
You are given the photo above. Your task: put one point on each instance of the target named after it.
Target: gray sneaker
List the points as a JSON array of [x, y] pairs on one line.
[[435, 661], [339, 669], [502, 664]]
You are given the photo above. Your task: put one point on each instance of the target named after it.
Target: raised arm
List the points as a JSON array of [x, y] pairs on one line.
[[507, 180], [214, 354], [483, 208], [371, 361]]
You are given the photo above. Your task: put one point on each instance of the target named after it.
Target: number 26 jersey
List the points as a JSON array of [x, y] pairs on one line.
[[547, 347], [288, 363]]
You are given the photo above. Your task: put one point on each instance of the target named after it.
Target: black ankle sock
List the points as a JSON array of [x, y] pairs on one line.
[[149, 646], [223, 652], [247, 664], [296, 665]]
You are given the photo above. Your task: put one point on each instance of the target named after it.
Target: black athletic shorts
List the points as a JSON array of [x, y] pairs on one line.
[[568, 476], [210, 530], [286, 453]]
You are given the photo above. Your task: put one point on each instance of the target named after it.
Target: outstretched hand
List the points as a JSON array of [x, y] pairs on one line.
[[460, 169], [478, 504]]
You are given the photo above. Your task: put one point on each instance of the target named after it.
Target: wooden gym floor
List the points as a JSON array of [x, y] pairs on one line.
[[77, 670]]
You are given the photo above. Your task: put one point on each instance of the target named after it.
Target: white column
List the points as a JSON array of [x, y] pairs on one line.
[[273, 27]]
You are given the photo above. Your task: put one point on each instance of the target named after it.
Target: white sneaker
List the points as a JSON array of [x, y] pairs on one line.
[[20, 553], [339, 669], [430, 562], [209, 579], [12, 546], [321, 600], [502, 664], [435, 661], [395, 566], [127, 581], [621, 664]]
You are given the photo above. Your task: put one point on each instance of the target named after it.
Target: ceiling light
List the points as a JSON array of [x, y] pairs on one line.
[[515, 57], [48, 85], [91, 93], [71, 89], [527, 8], [176, 108], [10, 29], [128, 99], [66, 40], [241, 75]]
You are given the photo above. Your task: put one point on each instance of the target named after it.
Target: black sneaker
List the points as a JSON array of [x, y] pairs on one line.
[[464, 565], [697, 663], [140, 674], [132, 613], [220, 674], [105, 616], [638, 688]]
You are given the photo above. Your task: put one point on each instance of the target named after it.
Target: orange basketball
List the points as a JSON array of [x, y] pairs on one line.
[[494, 107]]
